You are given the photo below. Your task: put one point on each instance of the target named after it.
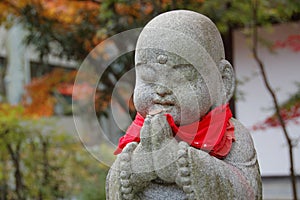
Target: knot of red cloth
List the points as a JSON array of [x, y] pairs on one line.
[[214, 133]]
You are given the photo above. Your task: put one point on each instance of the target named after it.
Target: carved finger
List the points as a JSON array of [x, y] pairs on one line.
[[130, 147], [166, 129], [146, 135], [161, 130]]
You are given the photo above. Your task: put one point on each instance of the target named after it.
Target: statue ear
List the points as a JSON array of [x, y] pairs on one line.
[[228, 78]]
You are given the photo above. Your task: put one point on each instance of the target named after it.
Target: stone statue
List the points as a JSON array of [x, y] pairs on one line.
[[184, 143]]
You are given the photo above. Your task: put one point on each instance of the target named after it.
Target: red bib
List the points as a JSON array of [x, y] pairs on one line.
[[214, 133]]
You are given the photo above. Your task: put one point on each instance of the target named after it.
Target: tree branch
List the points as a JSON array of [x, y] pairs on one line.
[[273, 95]]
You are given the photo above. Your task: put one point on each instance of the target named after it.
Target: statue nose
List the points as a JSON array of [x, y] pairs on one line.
[[162, 90]]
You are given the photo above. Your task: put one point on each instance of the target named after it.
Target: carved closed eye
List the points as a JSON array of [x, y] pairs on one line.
[[186, 72], [147, 73]]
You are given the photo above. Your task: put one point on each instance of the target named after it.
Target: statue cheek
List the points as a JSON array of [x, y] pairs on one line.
[[138, 100], [142, 99]]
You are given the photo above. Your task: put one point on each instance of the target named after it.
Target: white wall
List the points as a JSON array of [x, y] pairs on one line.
[[283, 69]]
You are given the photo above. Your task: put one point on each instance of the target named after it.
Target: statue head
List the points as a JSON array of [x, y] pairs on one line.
[[181, 67]]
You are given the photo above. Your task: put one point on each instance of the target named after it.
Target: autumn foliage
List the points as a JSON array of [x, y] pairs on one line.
[[289, 111], [291, 114], [39, 99], [292, 42], [64, 28], [42, 93], [62, 11]]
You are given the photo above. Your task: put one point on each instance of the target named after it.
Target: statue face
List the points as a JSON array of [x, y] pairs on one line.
[[177, 89]]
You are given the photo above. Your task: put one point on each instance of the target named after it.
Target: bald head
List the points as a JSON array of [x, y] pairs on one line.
[[181, 30]]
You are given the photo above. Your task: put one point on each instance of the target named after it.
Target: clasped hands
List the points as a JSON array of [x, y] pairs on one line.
[[156, 154]]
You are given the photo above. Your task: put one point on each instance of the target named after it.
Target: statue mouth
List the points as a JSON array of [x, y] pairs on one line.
[[164, 103], [161, 107]]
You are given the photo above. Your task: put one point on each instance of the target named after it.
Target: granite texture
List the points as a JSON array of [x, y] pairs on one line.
[[181, 70]]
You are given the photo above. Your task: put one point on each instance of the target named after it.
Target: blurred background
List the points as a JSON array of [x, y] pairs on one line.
[[43, 44]]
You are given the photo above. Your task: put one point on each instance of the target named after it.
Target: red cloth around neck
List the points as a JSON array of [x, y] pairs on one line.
[[214, 133]]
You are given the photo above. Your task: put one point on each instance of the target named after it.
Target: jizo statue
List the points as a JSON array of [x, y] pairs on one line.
[[183, 143]]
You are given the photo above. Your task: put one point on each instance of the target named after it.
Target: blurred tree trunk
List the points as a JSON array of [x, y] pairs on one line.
[[273, 96], [15, 156], [46, 167], [4, 181]]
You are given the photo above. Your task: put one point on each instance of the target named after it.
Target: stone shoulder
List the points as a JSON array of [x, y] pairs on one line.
[[242, 151]]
